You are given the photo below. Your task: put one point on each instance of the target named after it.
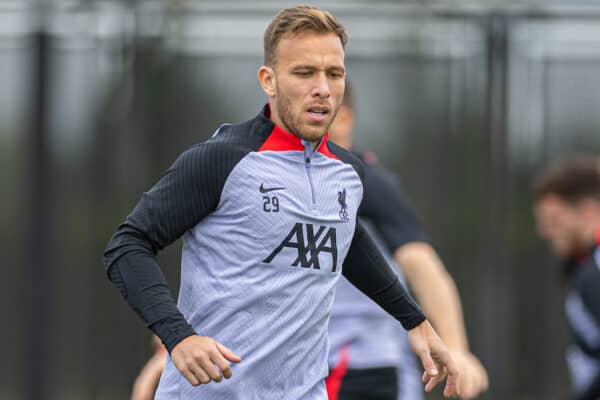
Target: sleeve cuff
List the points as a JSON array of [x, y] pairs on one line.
[[413, 322], [171, 331]]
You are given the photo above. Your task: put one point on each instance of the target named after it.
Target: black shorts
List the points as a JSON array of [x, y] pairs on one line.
[[369, 384]]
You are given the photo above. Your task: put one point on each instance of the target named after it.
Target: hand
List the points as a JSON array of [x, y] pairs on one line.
[[436, 359], [201, 359], [473, 378]]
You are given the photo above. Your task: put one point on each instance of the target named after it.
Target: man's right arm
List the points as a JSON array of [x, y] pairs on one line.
[[186, 193], [176, 203]]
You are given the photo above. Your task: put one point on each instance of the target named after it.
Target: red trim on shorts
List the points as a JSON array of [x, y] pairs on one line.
[[598, 237], [334, 381]]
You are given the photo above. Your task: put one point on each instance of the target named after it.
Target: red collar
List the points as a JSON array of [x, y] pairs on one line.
[[281, 140]]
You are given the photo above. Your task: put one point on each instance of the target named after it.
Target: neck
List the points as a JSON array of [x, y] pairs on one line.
[[274, 116]]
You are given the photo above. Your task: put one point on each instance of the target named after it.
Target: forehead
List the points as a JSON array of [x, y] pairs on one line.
[[310, 48]]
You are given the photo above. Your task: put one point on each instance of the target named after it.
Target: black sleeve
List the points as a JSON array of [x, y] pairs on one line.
[[188, 191], [141, 282], [366, 268], [389, 210]]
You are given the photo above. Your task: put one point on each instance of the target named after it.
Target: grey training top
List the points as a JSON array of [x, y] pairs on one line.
[[267, 223]]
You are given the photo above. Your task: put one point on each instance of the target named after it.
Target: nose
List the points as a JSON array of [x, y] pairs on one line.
[[321, 86]]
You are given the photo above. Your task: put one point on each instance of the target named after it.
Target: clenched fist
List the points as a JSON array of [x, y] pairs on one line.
[[201, 359]]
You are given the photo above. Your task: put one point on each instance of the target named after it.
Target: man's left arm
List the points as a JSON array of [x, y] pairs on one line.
[[366, 268], [437, 293], [435, 289], [386, 206]]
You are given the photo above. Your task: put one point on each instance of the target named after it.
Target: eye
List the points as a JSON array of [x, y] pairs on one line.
[[336, 75], [303, 74]]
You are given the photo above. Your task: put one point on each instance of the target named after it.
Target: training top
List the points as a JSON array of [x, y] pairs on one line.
[[582, 305], [369, 335], [266, 223]]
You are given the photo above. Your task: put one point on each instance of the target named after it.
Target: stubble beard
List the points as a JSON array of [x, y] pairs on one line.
[[284, 109]]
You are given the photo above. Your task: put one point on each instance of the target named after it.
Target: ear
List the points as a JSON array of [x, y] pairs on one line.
[[268, 81]]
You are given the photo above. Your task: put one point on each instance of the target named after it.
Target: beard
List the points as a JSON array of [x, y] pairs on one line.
[[293, 123]]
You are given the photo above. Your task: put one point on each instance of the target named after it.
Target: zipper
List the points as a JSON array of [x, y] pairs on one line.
[[308, 151]]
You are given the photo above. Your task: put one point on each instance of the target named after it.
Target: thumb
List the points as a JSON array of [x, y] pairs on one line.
[[228, 354]]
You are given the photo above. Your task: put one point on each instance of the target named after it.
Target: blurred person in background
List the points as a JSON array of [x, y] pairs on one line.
[[268, 211], [146, 382], [567, 215], [369, 356]]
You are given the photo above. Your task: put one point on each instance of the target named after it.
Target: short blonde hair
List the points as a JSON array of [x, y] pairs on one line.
[[297, 20]]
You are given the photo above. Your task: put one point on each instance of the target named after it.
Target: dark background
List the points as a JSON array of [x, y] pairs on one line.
[[466, 101]]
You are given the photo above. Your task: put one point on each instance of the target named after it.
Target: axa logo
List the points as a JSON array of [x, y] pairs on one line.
[[309, 244]]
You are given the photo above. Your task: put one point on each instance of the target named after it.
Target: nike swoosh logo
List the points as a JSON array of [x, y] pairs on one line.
[[263, 189]]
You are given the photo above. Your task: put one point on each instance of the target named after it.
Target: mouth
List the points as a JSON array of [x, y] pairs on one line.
[[318, 113]]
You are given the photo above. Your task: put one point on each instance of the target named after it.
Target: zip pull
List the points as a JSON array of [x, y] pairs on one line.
[[308, 151]]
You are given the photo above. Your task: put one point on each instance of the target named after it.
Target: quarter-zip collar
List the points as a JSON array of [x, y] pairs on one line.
[[309, 150], [278, 139]]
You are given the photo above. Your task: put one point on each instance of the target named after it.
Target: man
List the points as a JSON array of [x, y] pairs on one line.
[[373, 342], [267, 210], [364, 337], [567, 214]]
